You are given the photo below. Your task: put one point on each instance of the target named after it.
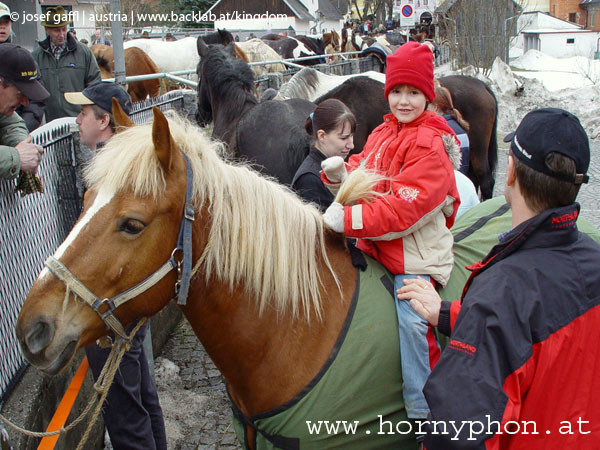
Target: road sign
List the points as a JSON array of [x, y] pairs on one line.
[[407, 15]]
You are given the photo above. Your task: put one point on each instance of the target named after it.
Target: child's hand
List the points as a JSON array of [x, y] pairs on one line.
[[423, 298], [334, 217], [335, 169]]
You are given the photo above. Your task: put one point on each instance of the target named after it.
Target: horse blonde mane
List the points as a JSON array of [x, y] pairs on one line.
[[359, 185], [262, 236]]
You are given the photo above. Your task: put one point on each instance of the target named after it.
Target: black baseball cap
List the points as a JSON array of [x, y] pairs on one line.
[[18, 67], [101, 94], [546, 130]]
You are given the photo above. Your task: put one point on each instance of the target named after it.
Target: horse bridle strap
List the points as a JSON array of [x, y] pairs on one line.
[[184, 268]]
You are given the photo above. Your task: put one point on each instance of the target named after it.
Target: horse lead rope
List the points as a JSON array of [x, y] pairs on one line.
[[101, 386], [185, 272]]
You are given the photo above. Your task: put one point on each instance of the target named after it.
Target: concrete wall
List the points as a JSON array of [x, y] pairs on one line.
[[555, 44]]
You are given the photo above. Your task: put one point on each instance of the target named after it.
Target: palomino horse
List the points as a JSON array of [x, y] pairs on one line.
[[270, 134], [137, 62], [256, 51], [273, 296]]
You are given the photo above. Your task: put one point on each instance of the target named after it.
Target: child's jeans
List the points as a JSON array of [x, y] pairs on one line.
[[419, 352]]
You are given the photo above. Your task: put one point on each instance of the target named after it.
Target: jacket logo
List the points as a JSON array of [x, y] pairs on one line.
[[462, 347], [569, 217], [408, 193]]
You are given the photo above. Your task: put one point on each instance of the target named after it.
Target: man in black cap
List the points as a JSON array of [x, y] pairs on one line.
[[18, 85], [66, 64], [33, 113], [521, 366], [132, 412], [96, 123]]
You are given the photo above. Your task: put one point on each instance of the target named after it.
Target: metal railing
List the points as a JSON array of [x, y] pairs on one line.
[[32, 227]]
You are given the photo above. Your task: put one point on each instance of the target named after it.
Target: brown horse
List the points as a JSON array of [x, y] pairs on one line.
[[273, 295], [137, 62]]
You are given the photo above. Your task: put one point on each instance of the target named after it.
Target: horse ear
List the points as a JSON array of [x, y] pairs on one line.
[[164, 146], [201, 46], [122, 120]]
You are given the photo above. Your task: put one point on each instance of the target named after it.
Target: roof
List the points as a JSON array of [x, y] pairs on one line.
[[299, 10], [555, 31], [333, 9], [448, 4], [445, 6], [72, 2]]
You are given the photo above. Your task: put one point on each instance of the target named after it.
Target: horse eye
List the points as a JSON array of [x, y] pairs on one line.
[[131, 226]]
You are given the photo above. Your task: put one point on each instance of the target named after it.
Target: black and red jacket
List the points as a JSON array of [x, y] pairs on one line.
[[524, 351]]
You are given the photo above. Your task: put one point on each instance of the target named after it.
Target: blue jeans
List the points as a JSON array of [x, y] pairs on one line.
[[414, 352]]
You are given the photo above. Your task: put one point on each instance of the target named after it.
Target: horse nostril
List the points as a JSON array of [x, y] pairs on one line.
[[39, 336]]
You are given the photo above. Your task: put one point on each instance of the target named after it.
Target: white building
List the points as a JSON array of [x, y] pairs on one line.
[[304, 16], [555, 37]]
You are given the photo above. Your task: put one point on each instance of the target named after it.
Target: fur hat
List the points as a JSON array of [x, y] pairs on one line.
[[411, 64]]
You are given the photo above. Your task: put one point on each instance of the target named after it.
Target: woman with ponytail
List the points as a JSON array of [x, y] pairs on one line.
[[331, 127]]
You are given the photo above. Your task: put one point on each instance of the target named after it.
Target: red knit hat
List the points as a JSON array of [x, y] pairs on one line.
[[411, 64]]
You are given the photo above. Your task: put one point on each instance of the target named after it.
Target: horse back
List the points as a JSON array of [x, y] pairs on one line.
[[272, 136], [361, 381]]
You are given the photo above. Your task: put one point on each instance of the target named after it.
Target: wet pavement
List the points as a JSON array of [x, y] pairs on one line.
[[212, 428]]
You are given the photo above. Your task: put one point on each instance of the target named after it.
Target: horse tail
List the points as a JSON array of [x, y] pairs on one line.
[[359, 185], [493, 147]]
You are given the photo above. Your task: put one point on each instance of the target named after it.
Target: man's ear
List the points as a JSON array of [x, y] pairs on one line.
[[105, 121], [511, 171]]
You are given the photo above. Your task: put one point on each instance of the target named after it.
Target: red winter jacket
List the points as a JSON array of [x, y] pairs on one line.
[[407, 229]]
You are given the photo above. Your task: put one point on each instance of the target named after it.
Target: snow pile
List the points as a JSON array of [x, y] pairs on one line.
[[538, 81], [558, 73]]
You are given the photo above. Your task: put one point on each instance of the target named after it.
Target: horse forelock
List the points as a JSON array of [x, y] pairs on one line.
[[219, 71], [255, 222]]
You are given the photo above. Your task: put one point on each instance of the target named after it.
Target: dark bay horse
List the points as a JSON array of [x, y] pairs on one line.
[[478, 106], [269, 134], [273, 296]]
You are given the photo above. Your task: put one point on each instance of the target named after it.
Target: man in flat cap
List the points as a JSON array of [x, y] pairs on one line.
[[18, 85], [66, 64]]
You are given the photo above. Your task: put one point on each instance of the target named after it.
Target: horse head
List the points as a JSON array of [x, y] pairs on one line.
[[225, 88], [204, 110], [136, 195], [226, 36]]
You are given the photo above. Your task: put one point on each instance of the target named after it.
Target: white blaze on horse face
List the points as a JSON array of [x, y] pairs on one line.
[[102, 199]]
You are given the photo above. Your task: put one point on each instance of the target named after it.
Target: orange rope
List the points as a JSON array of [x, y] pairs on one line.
[[64, 408]]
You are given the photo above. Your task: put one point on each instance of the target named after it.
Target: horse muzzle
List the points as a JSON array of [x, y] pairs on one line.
[[43, 348]]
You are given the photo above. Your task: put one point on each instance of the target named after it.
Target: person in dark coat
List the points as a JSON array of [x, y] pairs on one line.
[[33, 112], [331, 127]]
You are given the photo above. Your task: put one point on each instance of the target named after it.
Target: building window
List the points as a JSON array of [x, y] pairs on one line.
[[573, 17], [570, 40]]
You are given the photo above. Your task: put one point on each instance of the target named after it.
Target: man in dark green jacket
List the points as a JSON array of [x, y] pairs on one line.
[[66, 64], [18, 84]]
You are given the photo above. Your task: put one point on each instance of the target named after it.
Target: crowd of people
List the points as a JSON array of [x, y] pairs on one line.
[[523, 335]]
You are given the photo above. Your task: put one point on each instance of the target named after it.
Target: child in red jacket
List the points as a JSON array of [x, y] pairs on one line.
[[407, 228]]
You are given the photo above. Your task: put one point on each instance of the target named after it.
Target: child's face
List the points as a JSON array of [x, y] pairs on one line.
[[406, 102]]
